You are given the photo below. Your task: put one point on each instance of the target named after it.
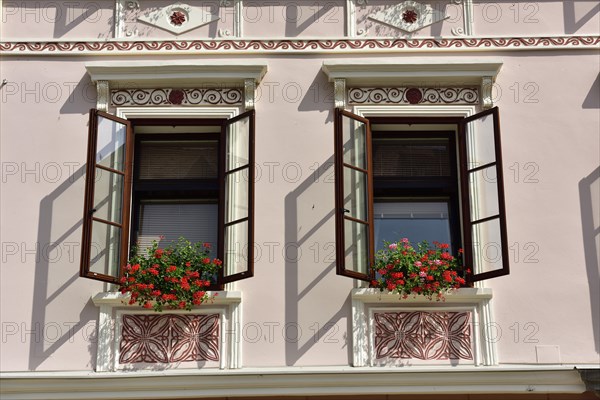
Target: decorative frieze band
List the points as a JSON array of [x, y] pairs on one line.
[[299, 45], [413, 95], [184, 97]]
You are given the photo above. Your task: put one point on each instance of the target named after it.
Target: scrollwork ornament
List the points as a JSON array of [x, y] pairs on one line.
[[458, 31], [133, 5]]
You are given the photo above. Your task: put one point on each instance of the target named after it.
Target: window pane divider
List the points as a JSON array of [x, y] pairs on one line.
[[360, 221], [356, 168], [479, 168], [231, 171], [237, 221], [486, 219], [107, 222], [116, 171]]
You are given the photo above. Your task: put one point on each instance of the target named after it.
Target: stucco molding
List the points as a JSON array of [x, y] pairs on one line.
[[289, 381], [402, 95], [249, 94], [113, 305], [311, 46], [339, 93], [189, 97], [103, 95], [365, 302], [416, 71]]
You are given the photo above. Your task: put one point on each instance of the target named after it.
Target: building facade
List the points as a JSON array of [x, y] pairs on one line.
[[296, 137]]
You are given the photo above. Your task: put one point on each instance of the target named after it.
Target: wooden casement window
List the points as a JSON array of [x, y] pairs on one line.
[[386, 182], [199, 175]]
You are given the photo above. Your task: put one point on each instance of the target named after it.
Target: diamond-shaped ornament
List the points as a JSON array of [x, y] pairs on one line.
[[178, 18], [409, 16]]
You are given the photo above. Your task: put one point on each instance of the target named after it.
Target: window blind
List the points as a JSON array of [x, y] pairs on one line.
[[411, 158], [185, 159]]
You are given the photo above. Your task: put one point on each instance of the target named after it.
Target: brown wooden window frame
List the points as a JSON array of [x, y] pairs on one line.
[[127, 232], [465, 171]]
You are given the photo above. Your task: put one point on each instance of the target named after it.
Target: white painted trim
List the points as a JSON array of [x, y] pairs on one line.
[[415, 110], [177, 112], [415, 71], [174, 73], [289, 381], [114, 304]]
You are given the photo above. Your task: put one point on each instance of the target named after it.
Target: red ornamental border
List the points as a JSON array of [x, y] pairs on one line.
[[300, 45]]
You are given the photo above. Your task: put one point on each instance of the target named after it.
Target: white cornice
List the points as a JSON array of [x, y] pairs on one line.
[[124, 74], [413, 71], [289, 381]]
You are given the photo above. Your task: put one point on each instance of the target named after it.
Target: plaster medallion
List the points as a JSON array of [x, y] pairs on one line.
[[408, 16], [178, 18]]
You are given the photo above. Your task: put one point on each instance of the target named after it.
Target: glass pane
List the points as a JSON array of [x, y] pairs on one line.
[[416, 221], [237, 144], [356, 246], [236, 195], [182, 159], [236, 248], [108, 196], [487, 246], [104, 252], [483, 193], [480, 141], [110, 147], [167, 222], [354, 141], [355, 194]]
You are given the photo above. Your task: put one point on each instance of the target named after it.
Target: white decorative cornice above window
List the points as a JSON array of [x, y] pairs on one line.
[[417, 72], [113, 75]]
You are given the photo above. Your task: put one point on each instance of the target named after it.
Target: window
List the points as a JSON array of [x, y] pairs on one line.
[[439, 180], [196, 183]]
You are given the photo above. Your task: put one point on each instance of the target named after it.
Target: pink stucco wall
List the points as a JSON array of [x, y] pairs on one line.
[[549, 102]]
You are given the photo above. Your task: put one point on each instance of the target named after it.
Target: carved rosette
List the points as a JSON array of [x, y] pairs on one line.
[[184, 97], [412, 95]]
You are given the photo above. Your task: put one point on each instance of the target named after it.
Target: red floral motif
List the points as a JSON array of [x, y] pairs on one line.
[[177, 18], [169, 338], [414, 96], [423, 335], [176, 96], [409, 16]]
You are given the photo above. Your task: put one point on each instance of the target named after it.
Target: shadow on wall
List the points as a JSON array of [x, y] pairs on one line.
[[592, 100], [68, 15], [56, 270], [297, 232], [575, 19], [589, 194]]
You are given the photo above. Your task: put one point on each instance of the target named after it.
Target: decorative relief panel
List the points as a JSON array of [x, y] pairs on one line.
[[403, 95], [423, 335], [166, 19], [169, 338], [392, 18], [184, 97]]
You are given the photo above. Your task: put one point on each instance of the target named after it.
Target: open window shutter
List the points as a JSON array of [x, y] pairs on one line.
[[237, 191], [482, 185], [353, 196], [107, 197]]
